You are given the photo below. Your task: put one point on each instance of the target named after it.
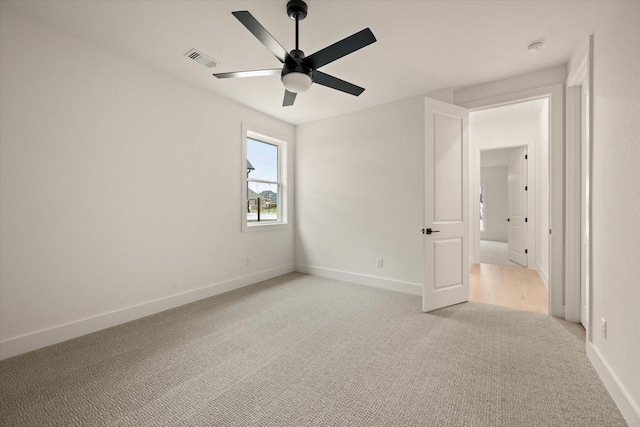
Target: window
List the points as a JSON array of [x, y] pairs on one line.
[[264, 195]]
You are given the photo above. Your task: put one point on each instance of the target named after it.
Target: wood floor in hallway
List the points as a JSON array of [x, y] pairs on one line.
[[506, 286]]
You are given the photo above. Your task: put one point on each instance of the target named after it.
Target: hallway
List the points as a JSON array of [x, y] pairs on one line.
[[507, 286], [493, 252]]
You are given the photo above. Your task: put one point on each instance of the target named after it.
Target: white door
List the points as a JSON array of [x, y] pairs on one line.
[[517, 204], [446, 232]]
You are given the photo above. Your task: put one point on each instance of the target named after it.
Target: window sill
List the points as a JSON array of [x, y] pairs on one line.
[[264, 226]]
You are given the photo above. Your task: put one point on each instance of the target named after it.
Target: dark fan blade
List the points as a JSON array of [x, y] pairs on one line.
[[340, 49], [261, 34], [254, 73], [289, 98], [335, 83]]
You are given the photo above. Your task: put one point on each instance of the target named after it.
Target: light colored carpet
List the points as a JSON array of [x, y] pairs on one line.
[[302, 350], [492, 252]]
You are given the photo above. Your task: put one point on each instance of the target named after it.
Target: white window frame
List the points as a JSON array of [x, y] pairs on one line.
[[266, 136]]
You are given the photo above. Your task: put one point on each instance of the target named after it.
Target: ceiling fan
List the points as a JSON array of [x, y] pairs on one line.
[[298, 71]]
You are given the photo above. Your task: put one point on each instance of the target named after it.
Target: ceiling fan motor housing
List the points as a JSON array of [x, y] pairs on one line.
[[295, 64]]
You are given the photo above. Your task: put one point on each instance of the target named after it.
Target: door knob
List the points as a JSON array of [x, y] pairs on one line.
[[429, 231]]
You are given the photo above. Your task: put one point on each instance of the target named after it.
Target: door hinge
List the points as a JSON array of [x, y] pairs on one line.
[[549, 231], [526, 220], [526, 251], [526, 188], [526, 156]]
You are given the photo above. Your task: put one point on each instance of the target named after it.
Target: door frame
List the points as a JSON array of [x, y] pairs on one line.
[[581, 75], [556, 95]]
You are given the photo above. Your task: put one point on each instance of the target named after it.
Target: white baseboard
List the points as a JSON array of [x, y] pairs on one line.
[[361, 279], [628, 408], [33, 341], [543, 275]]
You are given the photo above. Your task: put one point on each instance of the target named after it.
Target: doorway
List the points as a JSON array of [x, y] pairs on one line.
[[555, 156], [511, 207], [503, 207]]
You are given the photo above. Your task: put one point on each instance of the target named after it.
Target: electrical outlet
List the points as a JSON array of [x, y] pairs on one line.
[[248, 262], [603, 323], [380, 263]]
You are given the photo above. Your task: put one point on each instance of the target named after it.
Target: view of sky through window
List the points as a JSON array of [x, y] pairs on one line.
[[264, 158]]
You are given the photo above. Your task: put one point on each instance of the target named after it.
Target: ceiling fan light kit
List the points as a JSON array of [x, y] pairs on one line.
[[300, 72], [296, 81], [296, 77]]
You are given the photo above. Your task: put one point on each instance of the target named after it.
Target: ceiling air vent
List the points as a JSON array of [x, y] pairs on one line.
[[201, 58]]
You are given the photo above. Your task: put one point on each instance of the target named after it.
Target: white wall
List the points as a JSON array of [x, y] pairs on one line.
[[348, 168], [615, 203], [120, 190], [360, 196], [494, 179]]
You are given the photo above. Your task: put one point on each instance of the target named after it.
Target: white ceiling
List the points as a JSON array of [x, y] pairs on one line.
[[422, 45]]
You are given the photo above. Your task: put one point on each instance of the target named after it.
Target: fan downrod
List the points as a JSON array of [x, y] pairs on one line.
[[297, 10]]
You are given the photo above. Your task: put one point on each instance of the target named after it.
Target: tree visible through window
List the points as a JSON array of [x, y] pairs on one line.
[[263, 181]]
